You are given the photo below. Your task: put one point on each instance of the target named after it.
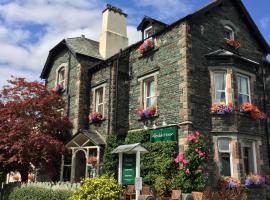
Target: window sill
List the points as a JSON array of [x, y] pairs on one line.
[[148, 53], [152, 118]]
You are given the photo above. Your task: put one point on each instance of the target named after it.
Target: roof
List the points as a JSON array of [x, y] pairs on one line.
[[77, 46], [130, 148], [147, 20], [227, 53]]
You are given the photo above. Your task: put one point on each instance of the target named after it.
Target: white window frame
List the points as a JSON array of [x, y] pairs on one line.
[[150, 28], [62, 66], [145, 90], [251, 144], [238, 89], [214, 84], [94, 90], [228, 151], [232, 34]]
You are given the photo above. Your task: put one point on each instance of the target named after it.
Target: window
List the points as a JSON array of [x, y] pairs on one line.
[[99, 99], [61, 77], [224, 152], [249, 157], [243, 89], [219, 87], [229, 33], [148, 32], [149, 92]]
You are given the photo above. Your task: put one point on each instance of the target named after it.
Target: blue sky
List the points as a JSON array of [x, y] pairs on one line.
[[30, 28]]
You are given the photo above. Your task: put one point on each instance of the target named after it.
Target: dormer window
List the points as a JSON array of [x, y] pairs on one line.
[[148, 32], [229, 33]]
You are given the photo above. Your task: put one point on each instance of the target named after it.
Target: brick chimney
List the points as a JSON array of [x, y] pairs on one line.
[[114, 31]]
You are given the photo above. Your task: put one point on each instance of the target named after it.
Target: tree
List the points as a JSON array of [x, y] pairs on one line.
[[32, 128]]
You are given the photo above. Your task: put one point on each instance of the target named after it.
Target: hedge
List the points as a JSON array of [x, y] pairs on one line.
[[38, 193]]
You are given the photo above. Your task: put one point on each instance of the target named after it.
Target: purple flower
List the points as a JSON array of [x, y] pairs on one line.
[[248, 183], [231, 185], [261, 181]]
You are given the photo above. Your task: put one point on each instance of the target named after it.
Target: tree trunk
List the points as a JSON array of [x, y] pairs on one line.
[[24, 175]]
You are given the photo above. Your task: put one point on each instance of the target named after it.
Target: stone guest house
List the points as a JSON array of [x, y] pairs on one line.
[[213, 58]]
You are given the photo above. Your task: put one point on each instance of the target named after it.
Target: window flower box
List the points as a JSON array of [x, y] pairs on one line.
[[233, 43], [229, 182], [147, 113], [95, 117], [254, 180], [222, 108], [146, 46], [58, 89], [253, 111]]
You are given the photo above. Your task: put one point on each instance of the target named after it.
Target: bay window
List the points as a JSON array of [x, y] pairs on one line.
[[243, 87], [219, 87]]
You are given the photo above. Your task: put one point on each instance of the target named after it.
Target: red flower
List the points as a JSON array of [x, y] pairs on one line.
[[234, 43], [92, 160]]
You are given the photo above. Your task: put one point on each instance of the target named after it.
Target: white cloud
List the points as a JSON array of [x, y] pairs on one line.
[[265, 22], [58, 18]]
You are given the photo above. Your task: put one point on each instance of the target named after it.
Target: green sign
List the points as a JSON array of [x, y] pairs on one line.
[[129, 164], [163, 134]]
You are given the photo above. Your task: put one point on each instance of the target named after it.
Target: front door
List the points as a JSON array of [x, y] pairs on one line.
[[80, 166]]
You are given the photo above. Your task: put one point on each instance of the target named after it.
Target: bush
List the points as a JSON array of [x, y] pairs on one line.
[[110, 161], [38, 193], [98, 188]]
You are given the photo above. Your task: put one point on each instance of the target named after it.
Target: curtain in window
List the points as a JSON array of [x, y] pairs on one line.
[[220, 95]]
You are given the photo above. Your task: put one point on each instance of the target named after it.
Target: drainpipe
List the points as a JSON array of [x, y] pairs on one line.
[[116, 91], [265, 110]]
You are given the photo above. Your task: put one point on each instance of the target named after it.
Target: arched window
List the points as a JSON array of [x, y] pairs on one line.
[[229, 33], [61, 77]]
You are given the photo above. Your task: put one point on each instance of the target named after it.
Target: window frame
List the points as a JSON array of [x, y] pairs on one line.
[[94, 102], [142, 80], [145, 91], [228, 151], [58, 70], [150, 28], [238, 89], [232, 34], [252, 145], [214, 86]]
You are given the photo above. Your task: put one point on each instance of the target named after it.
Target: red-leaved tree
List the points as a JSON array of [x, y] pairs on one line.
[[32, 128]]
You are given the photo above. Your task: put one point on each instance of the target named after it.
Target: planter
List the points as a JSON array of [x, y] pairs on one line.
[[186, 196], [197, 195]]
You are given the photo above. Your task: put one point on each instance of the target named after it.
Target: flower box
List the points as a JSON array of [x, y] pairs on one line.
[[222, 108], [254, 180], [95, 117], [147, 113], [58, 89], [146, 46], [253, 111], [233, 43]]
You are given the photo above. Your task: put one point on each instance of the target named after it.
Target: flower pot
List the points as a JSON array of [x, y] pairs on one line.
[[187, 196], [197, 195]]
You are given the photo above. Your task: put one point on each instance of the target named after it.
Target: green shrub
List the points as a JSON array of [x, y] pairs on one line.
[[37, 193], [110, 161], [98, 188]]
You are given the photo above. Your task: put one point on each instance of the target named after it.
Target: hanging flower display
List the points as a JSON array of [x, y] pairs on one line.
[[58, 89], [147, 45], [147, 113], [92, 160], [95, 117], [222, 108], [253, 111], [191, 165], [234, 43], [254, 180]]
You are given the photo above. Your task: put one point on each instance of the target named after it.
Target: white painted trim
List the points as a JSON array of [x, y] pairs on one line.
[[230, 152], [63, 65], [254, 157], [94, 89], [148, 76], [248, 79], [147, 29], [232, 31], [120, 170]]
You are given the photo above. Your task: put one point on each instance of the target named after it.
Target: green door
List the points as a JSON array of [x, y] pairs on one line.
[[129, 166]]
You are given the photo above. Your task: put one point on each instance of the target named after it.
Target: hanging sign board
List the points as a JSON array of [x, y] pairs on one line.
[[163, 134], [129, 164]]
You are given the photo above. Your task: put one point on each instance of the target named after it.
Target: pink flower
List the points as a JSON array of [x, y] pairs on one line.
[[197, 133], [187, 171], [199, 171], [191, 137], [179, 158], [185, 162], [181, 168]]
